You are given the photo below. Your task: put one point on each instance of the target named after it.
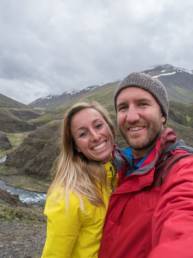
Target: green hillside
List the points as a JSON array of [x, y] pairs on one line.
[[10, 103], [37, 152], [16, 120], [181, 113]]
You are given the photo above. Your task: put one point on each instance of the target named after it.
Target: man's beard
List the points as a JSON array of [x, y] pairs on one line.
[[148, 145]]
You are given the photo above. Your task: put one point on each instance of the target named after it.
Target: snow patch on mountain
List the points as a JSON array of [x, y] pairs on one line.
[[164, 74]]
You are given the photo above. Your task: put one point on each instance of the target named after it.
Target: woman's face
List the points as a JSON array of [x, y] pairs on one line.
[[92, 135]]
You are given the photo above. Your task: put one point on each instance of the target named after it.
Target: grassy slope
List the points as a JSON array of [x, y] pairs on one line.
[[8, 102], [15, 120]]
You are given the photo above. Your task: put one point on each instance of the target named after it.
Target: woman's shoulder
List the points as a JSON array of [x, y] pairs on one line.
[[59, 198]]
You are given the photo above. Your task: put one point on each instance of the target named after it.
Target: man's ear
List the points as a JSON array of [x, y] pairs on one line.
[[163, 119]]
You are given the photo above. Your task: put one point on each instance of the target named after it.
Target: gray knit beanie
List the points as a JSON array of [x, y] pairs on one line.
[[146, 82]]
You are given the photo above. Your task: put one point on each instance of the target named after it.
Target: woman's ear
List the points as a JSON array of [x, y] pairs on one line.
[[78, 150], [75, 147]]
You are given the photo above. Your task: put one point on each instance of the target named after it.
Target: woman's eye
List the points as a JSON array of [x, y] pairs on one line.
[[99, 125], [83, 134]]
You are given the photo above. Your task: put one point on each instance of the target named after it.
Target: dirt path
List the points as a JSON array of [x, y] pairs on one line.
[[21, 239]]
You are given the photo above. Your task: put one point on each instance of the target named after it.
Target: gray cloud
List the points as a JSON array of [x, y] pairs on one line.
[[48, 46]]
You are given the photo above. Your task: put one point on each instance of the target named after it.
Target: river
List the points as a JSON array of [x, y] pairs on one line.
[[25, 196]]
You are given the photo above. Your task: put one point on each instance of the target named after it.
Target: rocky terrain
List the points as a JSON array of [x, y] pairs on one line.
[[22, 226], [22, 231], [4, 141], [20, 239]]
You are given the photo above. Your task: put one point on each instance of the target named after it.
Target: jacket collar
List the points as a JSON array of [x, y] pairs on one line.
[[144, 175]]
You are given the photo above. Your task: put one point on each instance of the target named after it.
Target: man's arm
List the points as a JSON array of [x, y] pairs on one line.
[[173, 218]]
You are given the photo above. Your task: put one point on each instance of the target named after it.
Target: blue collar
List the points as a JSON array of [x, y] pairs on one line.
[[133, 163]]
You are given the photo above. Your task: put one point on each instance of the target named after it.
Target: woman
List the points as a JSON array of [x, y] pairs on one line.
[[78, 197]]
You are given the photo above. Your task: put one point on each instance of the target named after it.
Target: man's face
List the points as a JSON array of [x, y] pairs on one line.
[[139, 118]]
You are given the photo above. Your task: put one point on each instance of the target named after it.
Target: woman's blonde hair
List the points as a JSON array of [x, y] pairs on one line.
[[74, 172]]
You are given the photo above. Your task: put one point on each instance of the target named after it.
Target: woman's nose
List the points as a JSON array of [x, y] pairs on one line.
[[95, 135]]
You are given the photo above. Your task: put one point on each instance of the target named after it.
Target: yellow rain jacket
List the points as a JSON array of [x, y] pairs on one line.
[[73, 232]]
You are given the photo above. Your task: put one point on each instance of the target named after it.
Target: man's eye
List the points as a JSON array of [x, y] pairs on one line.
[[122, 108], [143, 104]]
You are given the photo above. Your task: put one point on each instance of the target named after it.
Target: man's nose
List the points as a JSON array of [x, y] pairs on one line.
[[132, 115]]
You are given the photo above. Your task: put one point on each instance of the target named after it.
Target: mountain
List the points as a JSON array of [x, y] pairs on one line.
[[178, 81], [52, 101], [15, 116], [10, 103]]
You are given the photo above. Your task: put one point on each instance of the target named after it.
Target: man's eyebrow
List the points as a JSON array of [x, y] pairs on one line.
[[121, 103], [144, 99], [135, 100]]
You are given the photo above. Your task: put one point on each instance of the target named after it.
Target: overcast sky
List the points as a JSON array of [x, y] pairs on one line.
[[50, 46]]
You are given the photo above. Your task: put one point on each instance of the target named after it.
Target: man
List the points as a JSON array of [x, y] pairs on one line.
[[150, 213]]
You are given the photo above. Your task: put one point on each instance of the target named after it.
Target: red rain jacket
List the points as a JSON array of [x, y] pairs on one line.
[[150, 214]]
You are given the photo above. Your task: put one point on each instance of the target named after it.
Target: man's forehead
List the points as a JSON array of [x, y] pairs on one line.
[[133, 92]]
